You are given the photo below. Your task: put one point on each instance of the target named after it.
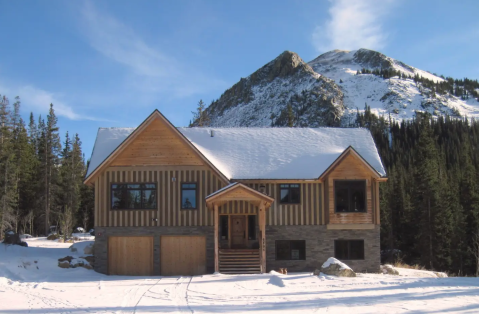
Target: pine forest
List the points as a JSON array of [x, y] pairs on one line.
[[41, 178]]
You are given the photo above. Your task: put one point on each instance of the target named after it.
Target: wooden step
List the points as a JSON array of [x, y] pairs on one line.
[[239, 262], [240, 269]]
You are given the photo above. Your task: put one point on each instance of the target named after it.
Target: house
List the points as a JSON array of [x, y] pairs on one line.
[[188, 201]]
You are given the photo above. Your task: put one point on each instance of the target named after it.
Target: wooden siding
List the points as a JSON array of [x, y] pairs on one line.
[[308, 212], [168, 210], [350, 168], [157, 145]]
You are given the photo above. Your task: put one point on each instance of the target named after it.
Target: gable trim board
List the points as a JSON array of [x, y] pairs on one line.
[[132, 136]]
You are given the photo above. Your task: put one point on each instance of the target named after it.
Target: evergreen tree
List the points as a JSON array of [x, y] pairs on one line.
[[290, 116], [200, 116], [8, 196]]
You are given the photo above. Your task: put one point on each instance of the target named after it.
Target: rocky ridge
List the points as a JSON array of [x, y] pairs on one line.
[[328, 92]]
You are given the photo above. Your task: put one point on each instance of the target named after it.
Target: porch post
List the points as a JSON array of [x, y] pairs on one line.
[[216, 218], [262, 223]]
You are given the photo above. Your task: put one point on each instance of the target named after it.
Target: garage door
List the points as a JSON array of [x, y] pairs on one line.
[[131, 256], [183, 255]]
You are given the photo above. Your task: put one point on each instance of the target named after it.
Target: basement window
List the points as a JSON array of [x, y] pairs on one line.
[[133, 196], [349, 249], [289, 194], [290, 250], [350, 196], [188, 195]]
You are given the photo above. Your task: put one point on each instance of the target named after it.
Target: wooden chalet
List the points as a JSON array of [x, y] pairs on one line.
[[190, 201]]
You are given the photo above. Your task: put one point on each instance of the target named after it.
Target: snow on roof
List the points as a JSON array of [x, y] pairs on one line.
[[262, 153], [107, 140], [222, 189]]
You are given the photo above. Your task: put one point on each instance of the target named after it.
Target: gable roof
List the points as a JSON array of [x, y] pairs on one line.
[[249, 195], [264, 153], [111, 141]]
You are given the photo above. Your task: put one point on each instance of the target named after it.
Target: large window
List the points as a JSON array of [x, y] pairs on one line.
[[133, 196], [349, 249], [350, 196], [188, 196], [289, 193], [290, 249]]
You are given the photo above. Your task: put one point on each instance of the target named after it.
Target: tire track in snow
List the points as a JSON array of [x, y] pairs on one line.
[[143, 294], [179, 295]]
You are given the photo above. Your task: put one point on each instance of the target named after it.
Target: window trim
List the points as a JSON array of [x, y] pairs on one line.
[[127, 183], [289, 203], [290, 259], [365, 196], [349, 249], [196, 195]]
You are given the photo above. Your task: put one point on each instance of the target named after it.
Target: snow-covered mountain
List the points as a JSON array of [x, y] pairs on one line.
[[328, 91]]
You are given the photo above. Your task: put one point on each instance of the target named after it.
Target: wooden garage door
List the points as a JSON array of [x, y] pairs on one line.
[[131, 256], [183, 255]]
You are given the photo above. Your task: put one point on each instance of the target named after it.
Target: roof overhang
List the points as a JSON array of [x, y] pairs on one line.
[[352, 151], [238, 192], [153, 116]]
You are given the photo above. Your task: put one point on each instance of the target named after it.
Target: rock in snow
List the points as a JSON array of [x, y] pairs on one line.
[[388, 270], [335, 267]]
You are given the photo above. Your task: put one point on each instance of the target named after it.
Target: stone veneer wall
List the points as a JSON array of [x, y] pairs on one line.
[[320, 246], [101, 243]]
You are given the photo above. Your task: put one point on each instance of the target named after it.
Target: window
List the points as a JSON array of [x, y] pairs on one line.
[[251, 227], [350, 196], [224, 227], [349, 249], [289, 193], [133, 196], [188, 196], [290, 249]]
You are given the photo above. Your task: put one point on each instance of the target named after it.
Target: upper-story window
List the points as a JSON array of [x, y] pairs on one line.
[[289, 193], [350, 196], [188, 195], [133, 196]]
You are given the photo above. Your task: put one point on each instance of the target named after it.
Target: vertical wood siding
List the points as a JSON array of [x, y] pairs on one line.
[[308, 212], [168, 210]]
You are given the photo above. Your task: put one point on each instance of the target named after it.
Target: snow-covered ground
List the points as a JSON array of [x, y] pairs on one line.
[[31, 282]]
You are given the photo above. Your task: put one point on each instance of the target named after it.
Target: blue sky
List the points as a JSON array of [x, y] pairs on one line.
[[111, 63]]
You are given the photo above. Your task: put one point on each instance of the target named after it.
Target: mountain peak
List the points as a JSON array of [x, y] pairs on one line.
[[286, 64]]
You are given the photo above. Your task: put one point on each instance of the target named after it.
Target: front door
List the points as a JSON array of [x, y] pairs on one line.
[[238, 232]]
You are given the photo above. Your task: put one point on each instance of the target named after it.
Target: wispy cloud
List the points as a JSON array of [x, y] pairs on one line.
[[38, 100], [353, 24], [151, 69]]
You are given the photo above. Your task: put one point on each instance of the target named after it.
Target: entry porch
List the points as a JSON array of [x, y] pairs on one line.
[[240, 239]]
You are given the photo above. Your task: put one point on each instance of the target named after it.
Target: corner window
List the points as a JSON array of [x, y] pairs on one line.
[[188, 196], [289, 193], [350, 196], [349, 249], [290, 250], [133, 196], [251, 227]]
